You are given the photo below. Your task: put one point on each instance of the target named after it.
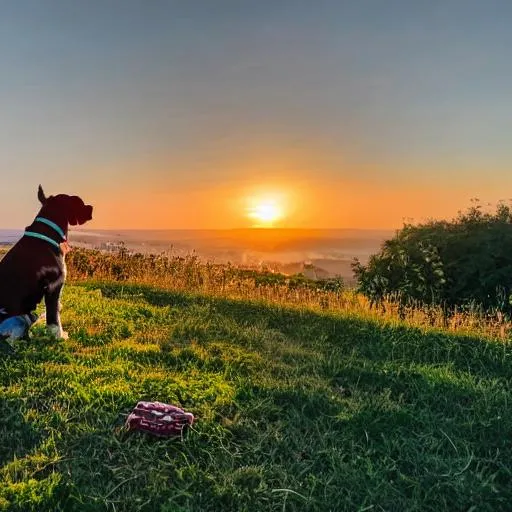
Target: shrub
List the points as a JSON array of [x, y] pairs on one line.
[[459, 263]]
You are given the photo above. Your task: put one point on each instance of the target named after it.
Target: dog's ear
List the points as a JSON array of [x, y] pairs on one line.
[[40, 195]]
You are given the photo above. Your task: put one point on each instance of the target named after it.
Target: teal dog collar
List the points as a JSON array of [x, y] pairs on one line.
[[52, 225], [42, 237]]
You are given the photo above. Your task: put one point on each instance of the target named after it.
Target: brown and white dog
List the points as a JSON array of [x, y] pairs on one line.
[[35, 268]]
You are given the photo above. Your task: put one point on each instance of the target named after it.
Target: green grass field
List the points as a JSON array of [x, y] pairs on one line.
[[295, 410]]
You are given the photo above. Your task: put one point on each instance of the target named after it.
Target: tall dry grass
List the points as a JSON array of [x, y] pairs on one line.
[[192, 275]]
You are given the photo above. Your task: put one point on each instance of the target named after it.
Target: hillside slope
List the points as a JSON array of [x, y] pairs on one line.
[[295, 410]]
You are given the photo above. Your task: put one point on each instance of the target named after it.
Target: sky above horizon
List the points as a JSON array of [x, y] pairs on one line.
[[172, 114]]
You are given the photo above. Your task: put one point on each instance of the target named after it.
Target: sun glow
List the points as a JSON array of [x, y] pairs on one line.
[[265, 211]]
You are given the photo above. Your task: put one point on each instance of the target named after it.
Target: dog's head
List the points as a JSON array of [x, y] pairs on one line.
[[72, 208]]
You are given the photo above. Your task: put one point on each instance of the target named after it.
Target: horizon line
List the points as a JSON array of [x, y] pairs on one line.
[[73, 228], [238, 229]]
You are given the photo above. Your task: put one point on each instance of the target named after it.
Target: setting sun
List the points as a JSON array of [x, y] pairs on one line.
[[265, 211]]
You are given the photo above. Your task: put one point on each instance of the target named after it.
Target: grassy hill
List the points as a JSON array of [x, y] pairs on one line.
[[296, 409]]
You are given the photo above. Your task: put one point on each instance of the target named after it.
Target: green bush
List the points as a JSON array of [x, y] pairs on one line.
[[466, 262]]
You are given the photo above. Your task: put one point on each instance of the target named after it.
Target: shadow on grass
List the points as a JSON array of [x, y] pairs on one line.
[[361, 338], [19, 436], [373, 427]]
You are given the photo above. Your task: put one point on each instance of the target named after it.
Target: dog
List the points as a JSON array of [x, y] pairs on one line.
[[35, 268]]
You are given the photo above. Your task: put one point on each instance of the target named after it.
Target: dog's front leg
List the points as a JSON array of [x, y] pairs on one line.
[[52, 302]]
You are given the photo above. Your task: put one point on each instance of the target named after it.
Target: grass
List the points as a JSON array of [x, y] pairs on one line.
[[190, 274], [296, 409]]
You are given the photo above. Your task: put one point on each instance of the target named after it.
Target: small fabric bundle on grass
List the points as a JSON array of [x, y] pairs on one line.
[[159, 419]]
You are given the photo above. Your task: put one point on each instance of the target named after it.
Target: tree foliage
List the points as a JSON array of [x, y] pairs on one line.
[[445, 263]]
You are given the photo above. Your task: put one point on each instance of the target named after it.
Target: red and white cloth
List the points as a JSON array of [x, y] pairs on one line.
[[159, 419]]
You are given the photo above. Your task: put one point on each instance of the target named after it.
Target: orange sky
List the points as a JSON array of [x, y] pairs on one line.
[[305, 203], [315, 187], [358, 114]]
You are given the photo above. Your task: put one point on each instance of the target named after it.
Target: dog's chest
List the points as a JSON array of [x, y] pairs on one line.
[[52, 276]]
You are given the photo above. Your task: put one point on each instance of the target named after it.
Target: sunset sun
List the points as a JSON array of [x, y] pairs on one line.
[[265, 211]]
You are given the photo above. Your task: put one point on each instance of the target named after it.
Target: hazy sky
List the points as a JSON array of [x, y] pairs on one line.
[[171, 113]]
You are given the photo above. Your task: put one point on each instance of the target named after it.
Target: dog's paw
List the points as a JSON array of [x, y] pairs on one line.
[[57, 332]]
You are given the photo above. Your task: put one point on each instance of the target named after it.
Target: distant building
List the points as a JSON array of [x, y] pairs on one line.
[[314, 273], [112, 246]]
